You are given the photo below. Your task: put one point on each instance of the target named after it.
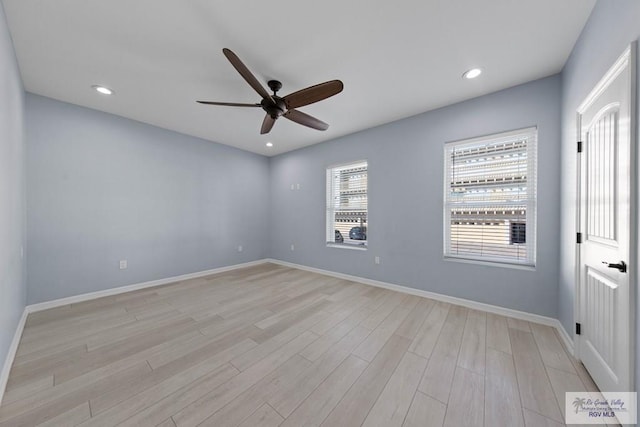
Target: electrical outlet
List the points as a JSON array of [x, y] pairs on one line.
[[297, 186], [292, 186], [123, 264], [377, 260], [293, 248], [240, 248]]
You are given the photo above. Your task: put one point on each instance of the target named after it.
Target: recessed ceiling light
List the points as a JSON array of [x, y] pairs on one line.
[[103, 89], [269, 144], [472, 73]]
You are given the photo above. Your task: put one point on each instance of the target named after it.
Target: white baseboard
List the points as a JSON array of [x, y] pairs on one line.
[[11, 354], [566, 338], [122, 289], [523, 315]]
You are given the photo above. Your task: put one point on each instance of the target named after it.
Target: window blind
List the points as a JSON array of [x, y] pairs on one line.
[[490, 198], [347, 204]]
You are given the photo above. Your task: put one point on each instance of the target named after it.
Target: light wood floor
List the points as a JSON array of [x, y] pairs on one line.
[[274, 346]]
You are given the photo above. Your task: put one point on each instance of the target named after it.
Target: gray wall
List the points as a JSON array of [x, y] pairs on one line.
[[103, 188], [611, 27], [12, 191], [406, 196]]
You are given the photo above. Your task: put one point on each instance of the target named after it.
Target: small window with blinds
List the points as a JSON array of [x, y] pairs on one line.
[[490, 198], [347, 205]]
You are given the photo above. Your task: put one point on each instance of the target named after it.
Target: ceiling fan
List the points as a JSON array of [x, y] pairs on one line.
[[276, 106]]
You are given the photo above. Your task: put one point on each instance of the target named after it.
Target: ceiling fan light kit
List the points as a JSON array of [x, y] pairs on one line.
[[276, 106]]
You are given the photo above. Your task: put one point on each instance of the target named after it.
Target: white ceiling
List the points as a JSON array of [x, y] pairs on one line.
[[396, 58]]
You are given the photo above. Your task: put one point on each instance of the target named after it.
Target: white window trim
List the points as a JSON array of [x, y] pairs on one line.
[[532, 178], [487, 262], [347, 246]]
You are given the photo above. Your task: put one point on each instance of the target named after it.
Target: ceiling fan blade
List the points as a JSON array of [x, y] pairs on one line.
[[305, 120], [313, 94], [267, 124], [246, 74], [228, 104]]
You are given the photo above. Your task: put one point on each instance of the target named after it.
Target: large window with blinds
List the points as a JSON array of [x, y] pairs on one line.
[[490, 198], [347, 205]]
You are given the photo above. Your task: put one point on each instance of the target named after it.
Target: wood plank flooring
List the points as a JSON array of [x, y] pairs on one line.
[[275, 346]]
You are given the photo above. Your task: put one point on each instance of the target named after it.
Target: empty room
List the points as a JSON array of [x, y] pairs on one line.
[[336, 214]]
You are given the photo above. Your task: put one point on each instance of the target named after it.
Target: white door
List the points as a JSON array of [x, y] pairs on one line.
[[605, 123]]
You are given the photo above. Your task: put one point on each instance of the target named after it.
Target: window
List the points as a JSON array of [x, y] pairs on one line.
[[490, 198], [347, 205]]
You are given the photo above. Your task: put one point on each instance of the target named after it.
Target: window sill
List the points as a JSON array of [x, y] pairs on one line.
[[347, 246], [503, 264]]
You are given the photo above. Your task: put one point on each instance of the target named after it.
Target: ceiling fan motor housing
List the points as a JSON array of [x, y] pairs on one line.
[[274, 110]]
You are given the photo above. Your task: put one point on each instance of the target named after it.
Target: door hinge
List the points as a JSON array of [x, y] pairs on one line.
[[578, 237], [578, 332], [579, 146]]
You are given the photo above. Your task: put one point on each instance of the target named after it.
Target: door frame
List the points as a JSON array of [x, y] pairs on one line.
[[627, 59]]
